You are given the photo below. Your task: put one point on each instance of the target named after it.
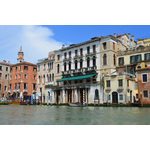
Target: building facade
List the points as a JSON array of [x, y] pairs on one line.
[[4, 79], [143, 77], [23, 78], [45, 76]]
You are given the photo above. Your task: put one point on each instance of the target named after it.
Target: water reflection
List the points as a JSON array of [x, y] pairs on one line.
[[64, 115]]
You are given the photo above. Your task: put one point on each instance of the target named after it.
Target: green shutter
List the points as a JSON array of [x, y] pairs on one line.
[[123, 60], [130, 59]]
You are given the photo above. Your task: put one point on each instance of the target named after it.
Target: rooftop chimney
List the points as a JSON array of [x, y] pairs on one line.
[[8, 62], [4, 61], [63, 46], [114, 34], [129, 38], [133, 38]]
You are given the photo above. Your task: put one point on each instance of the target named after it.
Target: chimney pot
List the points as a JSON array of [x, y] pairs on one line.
[[114, 34]]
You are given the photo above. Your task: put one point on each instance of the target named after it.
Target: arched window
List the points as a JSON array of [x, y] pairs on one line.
[[88, 62], [50, 77], [58, 68], [96, 94], [65, 66], [94, 61], [105, 59], [69, 65], [81, 63], [114, 57], [76, 64]]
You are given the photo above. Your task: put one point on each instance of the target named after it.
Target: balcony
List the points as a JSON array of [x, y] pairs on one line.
[[108, 89], [120, 88], [14, 90], [78, 57], [67, 59], [91, 53], [34, 90], [18, 90], [49, 83], [9, 91], [25, 90]]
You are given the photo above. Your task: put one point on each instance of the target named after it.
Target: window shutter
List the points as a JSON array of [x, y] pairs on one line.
[[123, 60], [130, 59]]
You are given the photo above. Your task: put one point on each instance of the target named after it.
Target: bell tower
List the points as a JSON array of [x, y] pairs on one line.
[[20, 55]]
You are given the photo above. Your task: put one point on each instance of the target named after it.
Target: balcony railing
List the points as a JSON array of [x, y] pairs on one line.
[[49, 83], [78, 56], [120, 88], [67, 59], [25, 90], [108, 88], [91, 53], [9, 91]]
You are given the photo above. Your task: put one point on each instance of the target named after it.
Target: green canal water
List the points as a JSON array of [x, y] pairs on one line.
[[65, 115]]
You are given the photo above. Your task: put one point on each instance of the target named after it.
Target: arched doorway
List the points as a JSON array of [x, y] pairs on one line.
[[115, 97]]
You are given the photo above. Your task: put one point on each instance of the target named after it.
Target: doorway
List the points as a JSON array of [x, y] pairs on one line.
[[115, 97]]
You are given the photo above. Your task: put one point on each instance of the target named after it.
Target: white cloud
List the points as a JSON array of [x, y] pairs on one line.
[[36, 42]]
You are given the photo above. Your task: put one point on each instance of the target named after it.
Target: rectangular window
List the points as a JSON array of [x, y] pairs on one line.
[[6, 68], [76, 52], [88, 50], [65, 55], [113, 46], [121, 97], [9, 86], [104, 46], [127, 83], [16, 77], [81, 51], [0, 68], [108, 83], [120, 83], [18, 85], [122, 40], [135, 59], [19, 76], [69, 54], [144, 78], [16, 68], [121, 61], [109, 97], [10, 69], [147, 56], [19, 67], [25, 86], [34, 86], [94, 48], [15, 85], [44, 67], [58, 57], [145, 94], [34, 69], [25, 76], [25, 67], [5, 88]]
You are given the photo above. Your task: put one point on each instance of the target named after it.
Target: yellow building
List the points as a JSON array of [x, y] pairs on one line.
[[119, 88], [143, 42]]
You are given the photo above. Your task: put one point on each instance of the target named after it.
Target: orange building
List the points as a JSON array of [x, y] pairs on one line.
[[22, 78], [143, 77]]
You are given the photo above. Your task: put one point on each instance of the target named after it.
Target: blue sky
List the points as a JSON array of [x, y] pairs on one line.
[[37, 41]]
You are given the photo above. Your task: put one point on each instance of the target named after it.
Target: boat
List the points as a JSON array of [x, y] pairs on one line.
[[77, 104]]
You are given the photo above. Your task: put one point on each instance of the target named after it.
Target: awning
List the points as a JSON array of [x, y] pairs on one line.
[[76, 78]]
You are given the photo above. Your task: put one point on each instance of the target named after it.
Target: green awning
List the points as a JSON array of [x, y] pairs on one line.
[[76, 78]]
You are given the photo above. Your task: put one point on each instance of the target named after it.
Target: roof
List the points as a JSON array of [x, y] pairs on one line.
[[76, 78], [145, 68], [3, 63], [24, 63], [90, 41]]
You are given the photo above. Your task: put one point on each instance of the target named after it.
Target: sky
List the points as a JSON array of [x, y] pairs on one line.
[[38, 40]]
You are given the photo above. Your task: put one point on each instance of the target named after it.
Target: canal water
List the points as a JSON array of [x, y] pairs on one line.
[[65, 115]]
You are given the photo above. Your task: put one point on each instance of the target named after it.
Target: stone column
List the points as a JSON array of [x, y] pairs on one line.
[[66, 96], [84, 62], [86, 93], [72, 95], [63, 95], [79, 96]]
